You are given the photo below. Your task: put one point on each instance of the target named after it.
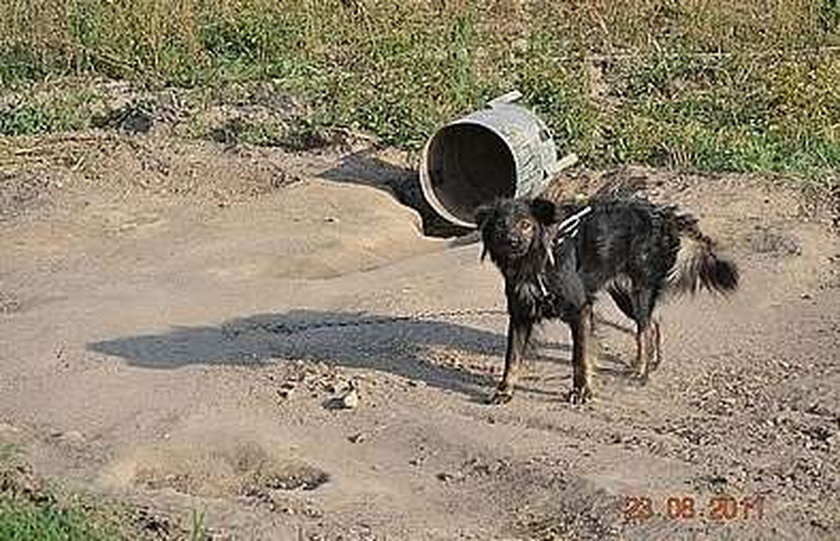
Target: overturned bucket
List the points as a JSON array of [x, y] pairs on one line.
[[504, 150]]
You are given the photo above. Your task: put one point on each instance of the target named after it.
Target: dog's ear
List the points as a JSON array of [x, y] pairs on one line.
[[482, 216], [544, 211]]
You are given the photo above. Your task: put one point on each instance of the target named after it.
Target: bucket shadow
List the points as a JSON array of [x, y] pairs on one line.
[[365, 168]]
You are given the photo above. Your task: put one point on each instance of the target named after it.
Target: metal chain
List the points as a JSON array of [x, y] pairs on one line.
[[282, 328]]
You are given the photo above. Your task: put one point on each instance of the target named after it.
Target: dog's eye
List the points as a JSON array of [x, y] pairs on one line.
[[526, 226]]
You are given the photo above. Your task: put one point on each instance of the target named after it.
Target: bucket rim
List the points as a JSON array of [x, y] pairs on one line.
[[426, 181]]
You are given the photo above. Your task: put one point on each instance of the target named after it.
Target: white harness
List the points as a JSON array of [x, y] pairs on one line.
[[566, 229]]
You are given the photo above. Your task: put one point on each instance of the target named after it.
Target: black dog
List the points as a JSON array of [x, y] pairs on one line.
[[555, 259]]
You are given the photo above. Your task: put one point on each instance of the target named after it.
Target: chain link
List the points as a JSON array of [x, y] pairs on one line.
[[283, 328]]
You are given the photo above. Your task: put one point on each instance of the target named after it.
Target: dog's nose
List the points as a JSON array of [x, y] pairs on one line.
[[517, 243]]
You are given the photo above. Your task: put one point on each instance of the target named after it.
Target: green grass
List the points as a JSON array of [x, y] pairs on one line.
[[713, 85], [24, 521], [33, 510], [25, 516]]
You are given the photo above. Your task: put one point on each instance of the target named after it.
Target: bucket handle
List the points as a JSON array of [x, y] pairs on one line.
[[509, 97], [563, 163]]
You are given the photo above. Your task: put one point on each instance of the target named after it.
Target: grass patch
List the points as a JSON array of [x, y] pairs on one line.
[[710, 85], [32, 509], [29, 511], [21, 520], [55, 109]]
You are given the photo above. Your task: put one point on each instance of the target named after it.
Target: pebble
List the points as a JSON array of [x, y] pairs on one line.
[[71, 437], [350, 399], [5, 427]]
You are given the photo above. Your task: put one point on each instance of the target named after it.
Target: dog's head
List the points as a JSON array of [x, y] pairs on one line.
[[511, 228]]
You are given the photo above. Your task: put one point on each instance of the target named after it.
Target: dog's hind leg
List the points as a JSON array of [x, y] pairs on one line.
[[581, 363], [519, 332], [646, 330]]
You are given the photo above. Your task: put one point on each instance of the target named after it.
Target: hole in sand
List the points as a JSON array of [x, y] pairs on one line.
[[243, 470]]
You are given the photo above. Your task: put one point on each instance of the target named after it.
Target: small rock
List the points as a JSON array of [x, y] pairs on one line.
[[350, 399], [313, 513], [416, 383], [72, 436], [445, 477], [5, 427], [816, 523], [718, 480], [358, 437], [805, 296]]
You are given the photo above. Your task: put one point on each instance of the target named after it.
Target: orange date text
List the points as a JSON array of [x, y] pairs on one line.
[[682, 507]]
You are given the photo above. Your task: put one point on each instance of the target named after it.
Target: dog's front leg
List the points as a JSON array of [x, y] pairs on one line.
[[519, 332], [581, 364], [643, 344]]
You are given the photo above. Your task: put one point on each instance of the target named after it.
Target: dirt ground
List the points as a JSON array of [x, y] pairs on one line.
[[179, 320]]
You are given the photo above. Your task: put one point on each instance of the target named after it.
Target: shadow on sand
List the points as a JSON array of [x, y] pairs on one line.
[[398, 346], [348, 339], [365, 168]]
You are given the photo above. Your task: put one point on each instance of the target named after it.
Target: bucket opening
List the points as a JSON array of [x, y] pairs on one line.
[[467, 165]]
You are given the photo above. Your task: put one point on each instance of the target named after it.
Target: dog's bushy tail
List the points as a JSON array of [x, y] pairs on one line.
[[698, 266]]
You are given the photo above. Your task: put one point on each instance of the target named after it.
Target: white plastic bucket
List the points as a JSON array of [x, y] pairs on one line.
[[503, 150]]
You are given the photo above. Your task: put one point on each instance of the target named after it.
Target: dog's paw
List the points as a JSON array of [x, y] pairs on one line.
[[580, 395], [653, 364], [500, 397]]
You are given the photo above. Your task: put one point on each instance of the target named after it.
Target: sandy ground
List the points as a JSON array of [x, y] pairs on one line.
[[178, 319]]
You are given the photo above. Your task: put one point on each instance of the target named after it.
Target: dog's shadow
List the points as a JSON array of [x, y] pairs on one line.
[[349, 339], [404, 347]]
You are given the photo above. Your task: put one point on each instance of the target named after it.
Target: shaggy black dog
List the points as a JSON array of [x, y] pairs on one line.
[[556, 258]]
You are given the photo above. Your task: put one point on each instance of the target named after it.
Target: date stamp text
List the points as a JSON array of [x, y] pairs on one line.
[[682, 507]]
